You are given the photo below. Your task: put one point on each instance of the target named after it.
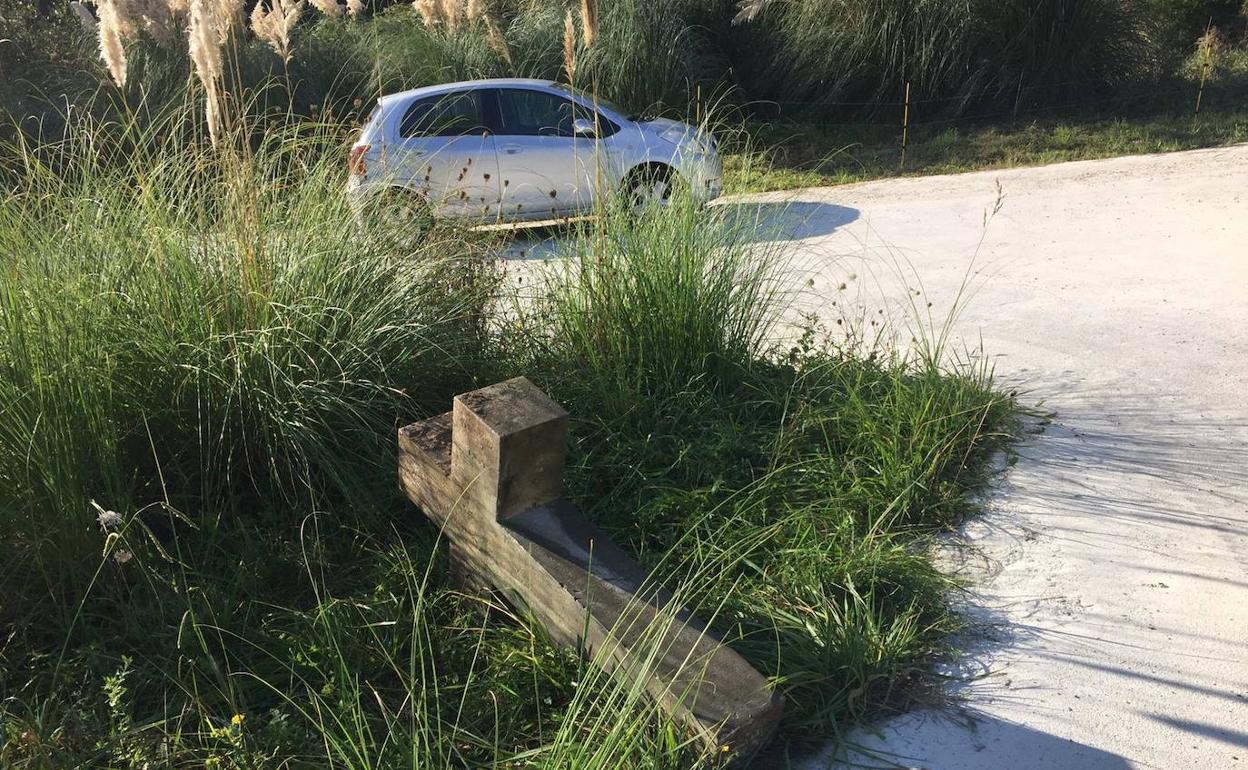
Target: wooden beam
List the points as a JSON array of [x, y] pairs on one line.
[[490, 473]]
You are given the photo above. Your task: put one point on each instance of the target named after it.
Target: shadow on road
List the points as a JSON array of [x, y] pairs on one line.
[[755, 221], [1155, 485], [942, 741]]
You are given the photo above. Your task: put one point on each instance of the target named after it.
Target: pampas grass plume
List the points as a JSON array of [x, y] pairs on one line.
[[450, 11], [569, 46], [116, 26], [497, 41], [589, 21], [205, 48], [428, 10], [227, 15], [275, 25], [328, 7]]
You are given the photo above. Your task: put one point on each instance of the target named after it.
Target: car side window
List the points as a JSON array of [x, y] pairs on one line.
[[533, 113], [523, 112], [458, 113]]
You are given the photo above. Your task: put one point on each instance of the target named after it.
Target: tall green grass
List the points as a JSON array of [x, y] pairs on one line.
[[207, 334], [815, 58], [652, 306]]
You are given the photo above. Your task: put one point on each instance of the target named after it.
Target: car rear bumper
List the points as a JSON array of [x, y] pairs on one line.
[[706, 178]]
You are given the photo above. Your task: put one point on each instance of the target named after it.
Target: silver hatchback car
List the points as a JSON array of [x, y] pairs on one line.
[[516, 149]]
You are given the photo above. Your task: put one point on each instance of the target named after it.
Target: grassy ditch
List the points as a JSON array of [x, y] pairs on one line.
[[203, 553]]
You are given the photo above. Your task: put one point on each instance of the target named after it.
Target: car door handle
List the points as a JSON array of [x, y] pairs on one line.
[[512, 149]]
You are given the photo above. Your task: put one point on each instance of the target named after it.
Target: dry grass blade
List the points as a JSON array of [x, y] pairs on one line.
[[749, 10]]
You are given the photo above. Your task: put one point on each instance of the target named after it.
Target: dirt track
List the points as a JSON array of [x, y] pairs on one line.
[[1113, 294]]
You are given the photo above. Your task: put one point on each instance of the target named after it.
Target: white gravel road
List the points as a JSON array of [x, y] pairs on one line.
[[1114, 294]]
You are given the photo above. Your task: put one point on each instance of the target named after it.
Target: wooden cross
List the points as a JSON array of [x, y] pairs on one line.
[[490, 473]]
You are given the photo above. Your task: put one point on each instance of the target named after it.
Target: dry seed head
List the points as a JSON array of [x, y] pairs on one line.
[[428, 10], [275, 25], [1209, 46], [110, 521], [355, 8], [589, 21], [116, 27], [497, 41], [569, 46], [205, 47], [475, 10], [328, 7], [157, 18], [450, 11], [227, 15]]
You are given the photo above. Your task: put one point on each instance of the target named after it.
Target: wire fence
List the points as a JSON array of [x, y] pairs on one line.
[[1070, 100]]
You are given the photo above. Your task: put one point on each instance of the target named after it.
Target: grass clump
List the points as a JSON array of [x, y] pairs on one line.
[[801, 477], [206, 560]]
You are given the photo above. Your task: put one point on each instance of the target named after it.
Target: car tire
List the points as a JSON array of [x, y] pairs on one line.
[[650, 186], [401, 215]]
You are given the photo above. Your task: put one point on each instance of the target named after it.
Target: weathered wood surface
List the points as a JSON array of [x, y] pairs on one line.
[[490, 473]]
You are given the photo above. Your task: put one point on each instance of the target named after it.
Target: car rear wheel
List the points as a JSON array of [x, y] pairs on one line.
[[402, 216]]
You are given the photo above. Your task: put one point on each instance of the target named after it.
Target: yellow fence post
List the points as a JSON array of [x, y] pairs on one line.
[[905, 125]]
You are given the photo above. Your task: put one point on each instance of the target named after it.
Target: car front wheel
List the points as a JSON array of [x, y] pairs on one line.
[[650, 185]]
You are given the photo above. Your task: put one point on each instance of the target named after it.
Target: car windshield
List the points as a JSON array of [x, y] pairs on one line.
[[591, 99]]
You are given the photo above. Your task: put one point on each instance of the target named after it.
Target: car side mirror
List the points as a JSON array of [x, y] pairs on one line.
[[584, 127]]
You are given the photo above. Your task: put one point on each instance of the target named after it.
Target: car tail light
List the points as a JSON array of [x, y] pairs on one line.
[[356, 165]]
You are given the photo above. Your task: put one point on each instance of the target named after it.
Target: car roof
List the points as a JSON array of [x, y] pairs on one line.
[[444, 87]]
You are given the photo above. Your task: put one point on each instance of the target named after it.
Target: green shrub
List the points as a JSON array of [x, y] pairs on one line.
[[845, 57], [813, 56], [783, 487], [647, 307], [42, 62], [1056, 51]]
